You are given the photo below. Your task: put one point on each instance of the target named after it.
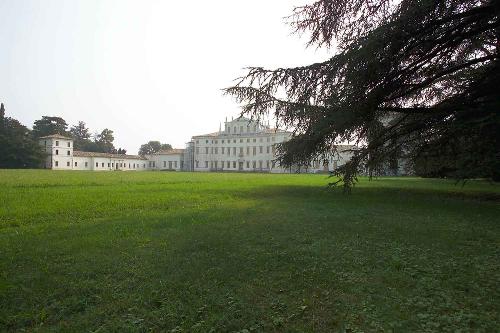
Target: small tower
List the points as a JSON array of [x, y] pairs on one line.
[[59, 150]]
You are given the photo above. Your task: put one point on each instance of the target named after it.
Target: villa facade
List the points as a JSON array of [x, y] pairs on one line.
[[243, 145]]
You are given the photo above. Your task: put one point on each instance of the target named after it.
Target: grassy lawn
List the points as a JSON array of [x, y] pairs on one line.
[[193, 252]]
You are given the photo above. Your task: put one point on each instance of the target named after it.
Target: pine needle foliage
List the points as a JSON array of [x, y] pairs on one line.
[[414, 79]]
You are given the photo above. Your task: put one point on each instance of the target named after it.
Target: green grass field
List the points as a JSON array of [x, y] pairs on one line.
[[193, 252]]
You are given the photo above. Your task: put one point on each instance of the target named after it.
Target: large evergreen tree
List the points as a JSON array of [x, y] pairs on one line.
[[18, 149], [415, 78]]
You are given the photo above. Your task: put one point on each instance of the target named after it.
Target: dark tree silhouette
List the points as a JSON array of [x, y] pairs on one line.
[[415, 79], [18, 149]]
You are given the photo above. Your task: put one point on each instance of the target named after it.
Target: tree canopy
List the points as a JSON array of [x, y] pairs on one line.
[[18, 149], [81, 136], [49, 125], [411, 79], [153, 147]]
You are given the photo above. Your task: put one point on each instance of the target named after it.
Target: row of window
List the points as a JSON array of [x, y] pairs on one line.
[[110, 165], [227, 150], [235, 128], [241, 140], [235, 164], [67, 153], [68, 144], [170, 164]]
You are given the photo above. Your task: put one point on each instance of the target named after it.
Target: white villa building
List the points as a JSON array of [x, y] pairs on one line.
[[244, 145]]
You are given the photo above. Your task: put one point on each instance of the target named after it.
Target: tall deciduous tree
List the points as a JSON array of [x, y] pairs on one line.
[[18, 149], [81, 135], [49, 125], [418, 79], [104, 141]]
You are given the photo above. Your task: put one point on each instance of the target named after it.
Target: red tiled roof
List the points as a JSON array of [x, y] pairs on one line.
[[78, 153]]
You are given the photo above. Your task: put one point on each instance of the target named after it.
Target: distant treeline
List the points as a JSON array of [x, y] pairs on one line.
[[19, 147]]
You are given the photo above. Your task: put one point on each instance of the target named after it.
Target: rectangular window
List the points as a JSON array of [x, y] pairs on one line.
[[164, 164], [241, 150], [197, 150], [267, 164], [57, 152], [57, 163], [234, 165], [253, 164], [206, 164], [260, 164], [260, 150], [102, 164], [216, 150], [68, 153], [248, 165], [267, 139], [228, 151], [206, 149], [197, 164], [241, 129], [57, 143], [267, 149], [86, 164], [96, 164], [69, 144], [76, 164], [248, 150], [228, 164], [109, 165], [170, 164], [222, 149], [254, 151], [234, 151]]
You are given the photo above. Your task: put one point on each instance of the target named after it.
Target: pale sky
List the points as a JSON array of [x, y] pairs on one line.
[[147, 69]]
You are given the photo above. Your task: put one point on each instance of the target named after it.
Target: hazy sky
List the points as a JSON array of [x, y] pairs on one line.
[[147, 69]]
